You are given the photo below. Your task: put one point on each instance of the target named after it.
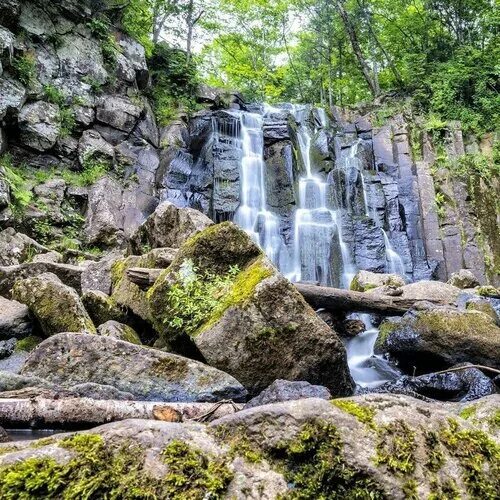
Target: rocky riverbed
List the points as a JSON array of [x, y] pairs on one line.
[[180, 356]]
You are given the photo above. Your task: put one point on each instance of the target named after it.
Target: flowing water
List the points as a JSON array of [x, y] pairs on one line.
[[318, 252]]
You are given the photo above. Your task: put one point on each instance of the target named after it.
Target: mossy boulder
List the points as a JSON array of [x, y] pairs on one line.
[[366, 280], [102, 307], [56, 306], [168, 226], [148, 374], [373, 446], [463, 279], [434, 339], [119, 331], [217, 248]]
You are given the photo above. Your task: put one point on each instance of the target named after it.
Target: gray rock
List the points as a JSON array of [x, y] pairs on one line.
[[102, 308], [463, 279], [100, 391], [284, 390], [92, 145], [168, 226], [13, 363], [104, 218], [134, 53], [15, 320], [81, 56], [366, 280], [55, 305], [97, 275], [71, 275], [40, 125], [7, 346], [464, 385], [3, 148], [9, 12], [146, 373], [118, 112], [12, 97], [53, 257], [119, 331], [16, 248]]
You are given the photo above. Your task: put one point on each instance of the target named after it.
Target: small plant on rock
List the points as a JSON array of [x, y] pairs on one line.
[[24, 67]]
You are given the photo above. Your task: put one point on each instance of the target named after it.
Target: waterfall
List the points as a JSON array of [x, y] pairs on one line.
[[317, 226], [367, 369], [252, 214], [394, 261]]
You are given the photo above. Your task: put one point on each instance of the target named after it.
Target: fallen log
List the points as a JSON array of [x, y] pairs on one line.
[[338, 300], [79, 413], [142, 277]]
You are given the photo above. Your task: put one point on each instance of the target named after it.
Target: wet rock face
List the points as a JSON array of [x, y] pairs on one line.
[[462, 385], [148, 374], [442, 337]]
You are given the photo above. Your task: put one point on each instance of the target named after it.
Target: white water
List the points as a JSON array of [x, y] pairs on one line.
[[317, 228], [367, 369], [394, 261], [252, 214]]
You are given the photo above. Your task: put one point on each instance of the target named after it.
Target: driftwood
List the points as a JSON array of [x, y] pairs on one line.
[[71, 413], [143, 277], [335, 299]]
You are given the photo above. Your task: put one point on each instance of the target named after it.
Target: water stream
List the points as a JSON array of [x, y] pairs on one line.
[[317, 252]]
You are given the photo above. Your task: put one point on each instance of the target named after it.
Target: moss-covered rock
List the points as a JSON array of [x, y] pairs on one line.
[[119, 331], [463, 279], [148, 374], [366, 280], [56, 306], [102, 307], [433, 339], [27, 344]]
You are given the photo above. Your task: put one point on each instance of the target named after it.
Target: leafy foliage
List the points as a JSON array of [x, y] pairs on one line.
[[194, 296], [24, 67]]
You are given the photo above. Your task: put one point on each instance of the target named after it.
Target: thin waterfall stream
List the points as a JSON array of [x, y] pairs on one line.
[[316, 251]]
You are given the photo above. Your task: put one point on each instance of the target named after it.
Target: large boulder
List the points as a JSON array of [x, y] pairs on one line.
[[40, 125], [102, 307], [437, 338], [168, 226], [97, 275], [118, 112], [56, 306], [366, 280], [377, 447], [15, 320], [148, 374], [13, 95], [92, 145], [260, 318]]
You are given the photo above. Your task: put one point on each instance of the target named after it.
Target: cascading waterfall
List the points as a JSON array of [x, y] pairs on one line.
[[394, 261], [252, 214], [317, 226]]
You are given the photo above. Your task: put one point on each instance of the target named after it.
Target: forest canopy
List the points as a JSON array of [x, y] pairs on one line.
[[443, 54]]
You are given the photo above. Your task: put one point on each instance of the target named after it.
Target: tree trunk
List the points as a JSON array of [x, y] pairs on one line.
[[356, 47], [336, 300], [71, 413]]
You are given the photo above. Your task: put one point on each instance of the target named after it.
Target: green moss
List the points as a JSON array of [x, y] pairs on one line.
[[192, 474], [95, 471], [384, 330], [7, 449], [468, 412], [410, 490], [363, 413], [40, 443], [445, 490], [314, 466], [241, 292], [494, 420], [488, 291], [239, 444], [435, 455], [396, 448], [28, 344], [356, 286], [24, 67], [479, 459]]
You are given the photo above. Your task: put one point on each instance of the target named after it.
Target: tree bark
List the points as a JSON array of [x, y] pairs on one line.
[[71, 413]]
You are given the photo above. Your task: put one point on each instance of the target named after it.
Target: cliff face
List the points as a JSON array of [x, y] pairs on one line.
[[84, 162]]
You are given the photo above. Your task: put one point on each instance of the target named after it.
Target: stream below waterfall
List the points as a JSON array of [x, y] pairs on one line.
[[315, 250]]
